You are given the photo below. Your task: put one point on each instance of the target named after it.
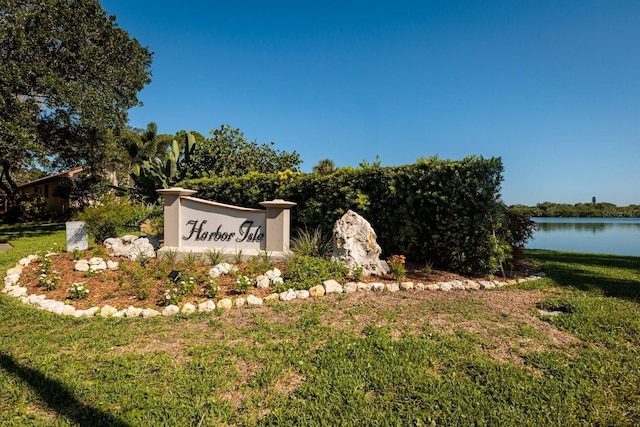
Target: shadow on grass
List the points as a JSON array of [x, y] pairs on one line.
[[611, 275], [32, 229], [58, 397]]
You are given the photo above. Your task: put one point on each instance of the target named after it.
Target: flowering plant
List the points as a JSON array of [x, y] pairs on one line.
[[50, 283], [243, 284], [181, 289], [211, 289], [396, 266], [78, 291]]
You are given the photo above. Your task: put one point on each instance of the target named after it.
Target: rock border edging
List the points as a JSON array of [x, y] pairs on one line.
[[13, 289]]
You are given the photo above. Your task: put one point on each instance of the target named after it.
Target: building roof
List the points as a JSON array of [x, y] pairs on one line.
[[49, 178]]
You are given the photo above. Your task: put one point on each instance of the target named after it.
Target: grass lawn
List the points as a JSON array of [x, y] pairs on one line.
[[405, 358]]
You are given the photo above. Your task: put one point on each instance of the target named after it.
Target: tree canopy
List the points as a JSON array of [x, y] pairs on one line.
[[68, 75], [324, 167], [228, 153]]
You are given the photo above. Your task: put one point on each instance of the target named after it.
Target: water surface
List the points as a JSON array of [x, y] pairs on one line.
[[619, 236]]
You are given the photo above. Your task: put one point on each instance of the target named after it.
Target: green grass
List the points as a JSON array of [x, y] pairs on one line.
[[374, 359], [28, 239]]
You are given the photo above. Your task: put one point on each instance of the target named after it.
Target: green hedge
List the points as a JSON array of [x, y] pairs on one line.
[[442, 211]]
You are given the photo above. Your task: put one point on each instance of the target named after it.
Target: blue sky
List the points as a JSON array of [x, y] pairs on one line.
[[552, 87]]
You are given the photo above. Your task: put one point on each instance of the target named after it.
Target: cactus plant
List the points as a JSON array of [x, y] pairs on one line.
[[150, 176]]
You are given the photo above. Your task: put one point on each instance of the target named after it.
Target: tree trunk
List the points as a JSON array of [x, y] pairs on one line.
[[9, 187]]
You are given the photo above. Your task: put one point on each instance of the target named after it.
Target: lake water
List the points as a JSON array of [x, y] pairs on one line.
[[619, 236]]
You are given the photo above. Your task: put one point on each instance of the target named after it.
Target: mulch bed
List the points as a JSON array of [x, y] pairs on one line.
[[145, 287]]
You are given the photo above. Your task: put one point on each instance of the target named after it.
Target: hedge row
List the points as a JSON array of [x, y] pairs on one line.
[[442, 211]]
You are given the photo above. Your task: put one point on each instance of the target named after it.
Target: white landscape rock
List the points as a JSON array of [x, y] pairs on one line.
[[113, 265], [364, 286], [445, 286], [170, 310], [148, 313], [207, 306], [486, 284], [221, 269], [98, 267], [254, 300], [27, 260], [34, 299], [14, 270], [288, 295], [457, 284], [471, 284], [225, 303], [377, 287], [82, 265], [355, 240], [239, 302], [316, 291], [107, 311], [17, 292], [272, 297], [332, 287], [407, 286], [68, 310], [132, 246], [90, 312], [11, 279], [188, 308], [302, 294], [392, 287], [350, 287], [419, 287], [133, 312], [262, 281]]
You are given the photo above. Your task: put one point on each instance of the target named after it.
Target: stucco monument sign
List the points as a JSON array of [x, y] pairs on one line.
[[193, 225]]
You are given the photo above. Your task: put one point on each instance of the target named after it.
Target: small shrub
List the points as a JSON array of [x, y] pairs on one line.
[[143, 258], [357, 271], [303, 272], [77, 254], [211, 289], [169, 257], [100, 251], [49, 282], [258, 265], [238, 256], [78, 291], [112, 216], [90, 273], [243, 284], [213, 255], [142, 290], [178, 291], [310, 243], [428, 267], [191, 259], [397, 267]]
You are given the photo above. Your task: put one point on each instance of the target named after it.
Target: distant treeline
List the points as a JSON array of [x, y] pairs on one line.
[[589, 210]]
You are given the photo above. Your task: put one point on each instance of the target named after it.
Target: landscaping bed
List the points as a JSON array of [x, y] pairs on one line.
[[147, 284]]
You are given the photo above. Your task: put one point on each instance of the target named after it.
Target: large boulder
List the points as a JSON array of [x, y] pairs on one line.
[[355, 240], [132, 246]]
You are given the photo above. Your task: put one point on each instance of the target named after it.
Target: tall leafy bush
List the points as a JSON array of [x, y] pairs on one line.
[[445, 211], [112, 216]]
